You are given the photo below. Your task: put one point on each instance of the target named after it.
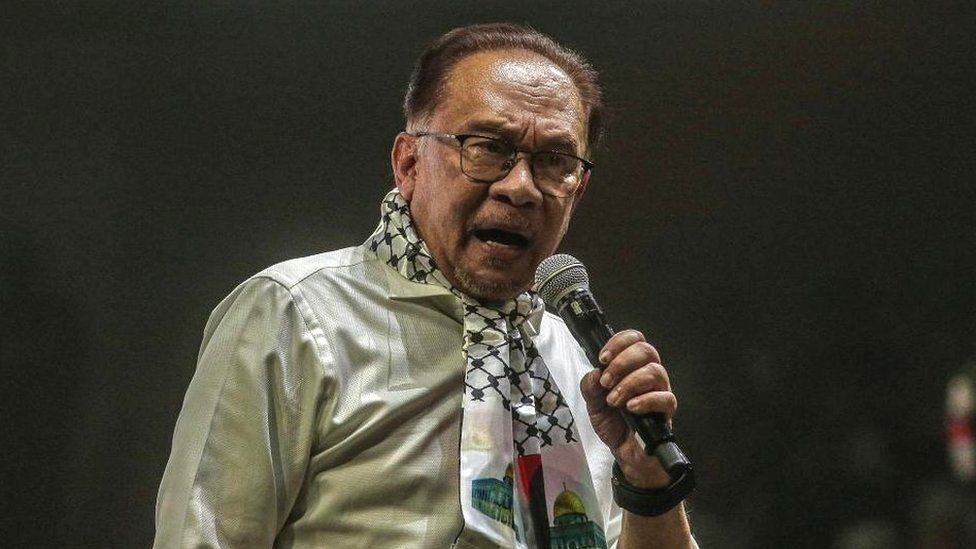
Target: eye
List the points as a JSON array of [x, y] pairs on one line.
[[553, 160], [485, 146], [549, 159]]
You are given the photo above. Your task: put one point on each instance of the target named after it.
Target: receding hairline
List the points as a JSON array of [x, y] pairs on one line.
[[508, 52], [427, 79]]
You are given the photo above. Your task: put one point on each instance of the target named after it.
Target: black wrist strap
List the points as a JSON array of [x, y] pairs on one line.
[[650, 503]]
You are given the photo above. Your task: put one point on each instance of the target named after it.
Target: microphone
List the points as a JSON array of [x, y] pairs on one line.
[[563, 283]]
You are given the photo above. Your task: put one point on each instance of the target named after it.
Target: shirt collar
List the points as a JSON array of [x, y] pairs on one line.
[[407, 290], [401, 289]]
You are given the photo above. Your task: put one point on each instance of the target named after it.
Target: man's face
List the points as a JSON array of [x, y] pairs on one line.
[[488, 239]]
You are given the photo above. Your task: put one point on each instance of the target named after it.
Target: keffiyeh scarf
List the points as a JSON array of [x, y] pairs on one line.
[[524, 479]]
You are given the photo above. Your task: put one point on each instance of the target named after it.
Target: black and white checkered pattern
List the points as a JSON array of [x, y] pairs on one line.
[[502, 363]]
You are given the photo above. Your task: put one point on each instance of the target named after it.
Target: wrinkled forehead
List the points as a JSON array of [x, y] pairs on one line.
[[511, 86]]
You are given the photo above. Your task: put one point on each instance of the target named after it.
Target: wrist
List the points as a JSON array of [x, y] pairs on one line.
[[650, 502]]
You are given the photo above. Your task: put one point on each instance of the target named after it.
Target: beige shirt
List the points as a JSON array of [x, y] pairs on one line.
[[325, 412]]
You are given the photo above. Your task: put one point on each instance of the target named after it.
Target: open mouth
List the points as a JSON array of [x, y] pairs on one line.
[[499, 236]]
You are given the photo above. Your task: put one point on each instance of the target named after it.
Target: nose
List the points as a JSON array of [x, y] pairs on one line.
[[518, 188]]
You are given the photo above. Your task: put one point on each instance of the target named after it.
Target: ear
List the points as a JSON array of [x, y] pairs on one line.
[[403, 158], [579, 193]]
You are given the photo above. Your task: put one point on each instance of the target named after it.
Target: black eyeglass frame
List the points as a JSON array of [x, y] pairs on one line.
[[462, 137]]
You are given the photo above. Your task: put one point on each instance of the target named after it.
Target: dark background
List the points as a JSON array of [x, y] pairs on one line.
[[785, 205]]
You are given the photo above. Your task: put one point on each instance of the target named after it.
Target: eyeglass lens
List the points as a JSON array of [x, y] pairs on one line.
[[491, 160]]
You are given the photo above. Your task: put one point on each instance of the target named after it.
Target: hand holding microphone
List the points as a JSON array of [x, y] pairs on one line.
[[633, 392]]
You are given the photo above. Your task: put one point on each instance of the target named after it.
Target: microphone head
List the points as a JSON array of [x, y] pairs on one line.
[[558, 275]]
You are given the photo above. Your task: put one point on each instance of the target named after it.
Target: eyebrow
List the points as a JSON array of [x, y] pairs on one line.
[[560, 142]]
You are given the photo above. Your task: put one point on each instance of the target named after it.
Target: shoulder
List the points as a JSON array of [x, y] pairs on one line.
[[326, 277], [293, 272], [295, 283]]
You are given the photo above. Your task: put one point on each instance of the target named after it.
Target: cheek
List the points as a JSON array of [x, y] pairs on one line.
[[436, 217]]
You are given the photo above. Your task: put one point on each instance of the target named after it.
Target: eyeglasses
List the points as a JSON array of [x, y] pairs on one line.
[[489, 159]]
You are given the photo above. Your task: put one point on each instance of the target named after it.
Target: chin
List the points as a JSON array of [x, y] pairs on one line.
[[488, 288]]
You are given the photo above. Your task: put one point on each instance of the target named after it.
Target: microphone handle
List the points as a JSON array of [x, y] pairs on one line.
[[588, 324]]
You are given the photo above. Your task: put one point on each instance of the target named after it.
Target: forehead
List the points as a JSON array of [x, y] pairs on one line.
[[518, 94]]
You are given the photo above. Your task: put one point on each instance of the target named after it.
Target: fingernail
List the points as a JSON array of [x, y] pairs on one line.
[[631, 405], [605, 357], [613, 397], [606, 380]]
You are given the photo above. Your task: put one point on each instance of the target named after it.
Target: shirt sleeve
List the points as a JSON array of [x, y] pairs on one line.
[[241, 444]]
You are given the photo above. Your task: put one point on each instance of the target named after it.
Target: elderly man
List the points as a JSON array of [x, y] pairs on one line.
[[410, 392]]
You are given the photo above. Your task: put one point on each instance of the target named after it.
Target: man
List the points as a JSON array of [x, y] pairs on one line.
[[410, 392]]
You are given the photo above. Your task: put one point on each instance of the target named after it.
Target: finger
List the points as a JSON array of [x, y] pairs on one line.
[[657, 401], [619, 342], [650, 377], [606, 420], [590, 385], [629, 360]]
